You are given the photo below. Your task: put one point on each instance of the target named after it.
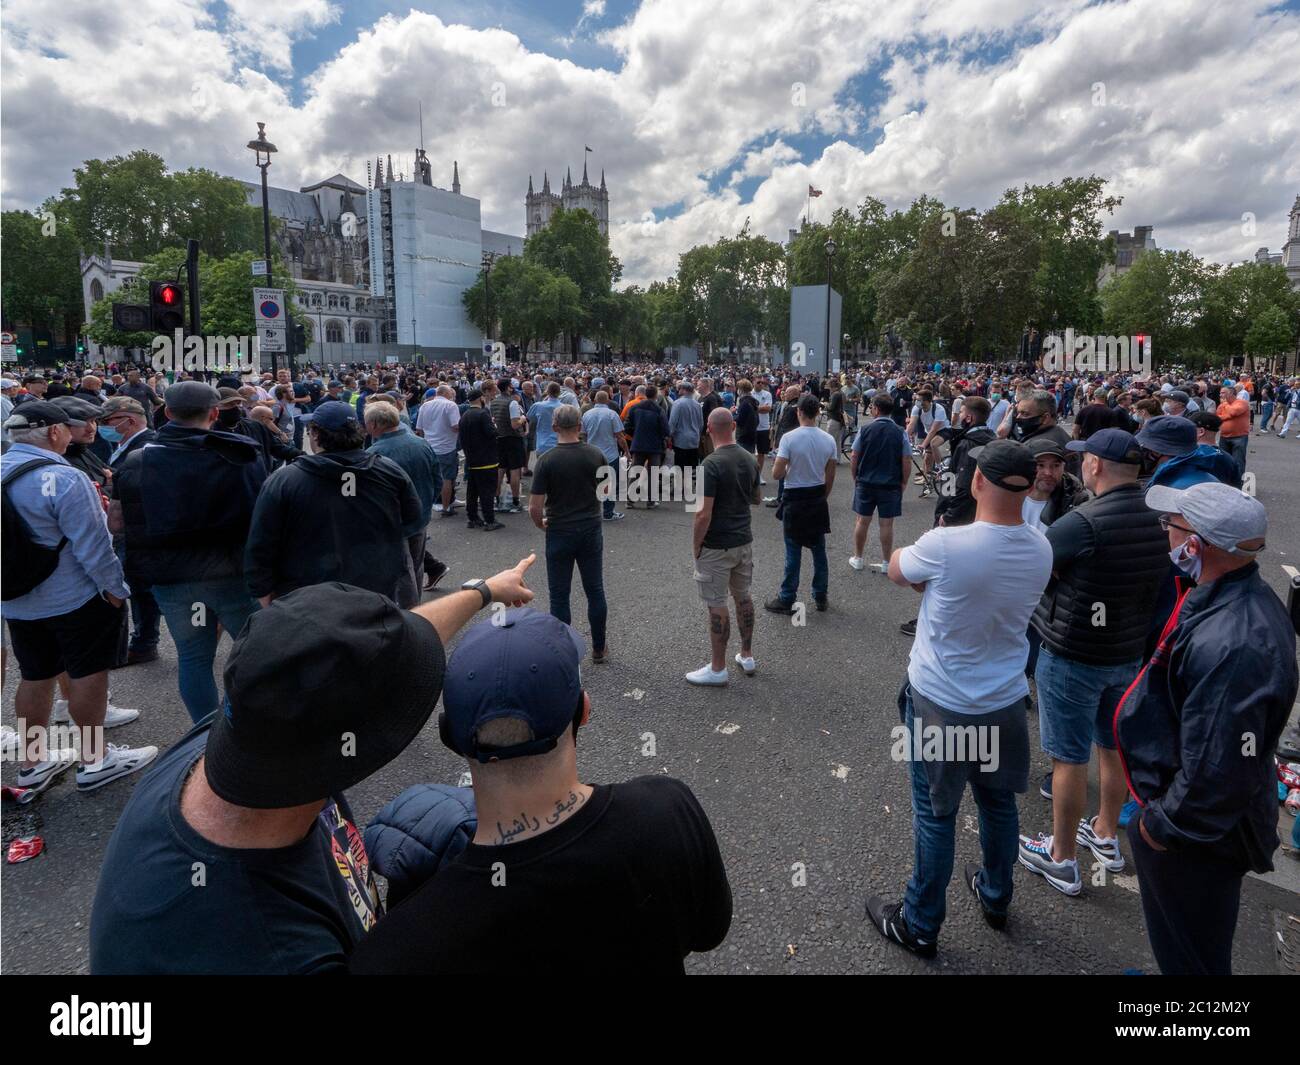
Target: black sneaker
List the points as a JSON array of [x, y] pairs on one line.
[[435, 573], [514, 507], [778, 606], [822, 604], [493, 526], [908, 628], [888, 919], [1045, 788], [995, 920], [474, 523]]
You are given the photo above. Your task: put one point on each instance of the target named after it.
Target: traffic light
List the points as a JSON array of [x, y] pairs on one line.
[[166, 306], [298, 339]]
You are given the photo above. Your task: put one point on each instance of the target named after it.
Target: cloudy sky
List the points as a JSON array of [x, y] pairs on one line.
[[702, 112]]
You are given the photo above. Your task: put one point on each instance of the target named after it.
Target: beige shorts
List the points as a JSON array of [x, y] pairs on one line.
[[719, 570]]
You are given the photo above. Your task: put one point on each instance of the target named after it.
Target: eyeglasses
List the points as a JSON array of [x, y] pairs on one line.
[[1167, 523]]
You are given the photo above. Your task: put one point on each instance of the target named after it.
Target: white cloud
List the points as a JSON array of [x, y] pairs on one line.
[[957, 98]]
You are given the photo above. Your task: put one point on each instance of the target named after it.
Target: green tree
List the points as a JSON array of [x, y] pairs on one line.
[[573, 246], [729, 289], [1235, 297], [529, 302], [41, 284], [1162, 296], [1272, 332]]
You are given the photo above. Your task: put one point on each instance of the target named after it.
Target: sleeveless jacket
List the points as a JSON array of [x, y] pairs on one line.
[[501, 416], [1123, 575]]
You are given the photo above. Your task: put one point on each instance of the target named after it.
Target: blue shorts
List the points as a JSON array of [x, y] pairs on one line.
[[868, 498], [1076, 705], [447, 464]]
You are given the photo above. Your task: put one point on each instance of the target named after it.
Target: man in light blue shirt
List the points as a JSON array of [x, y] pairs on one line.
[[539, 417], [685, 423], [604, 431], [69, 622]]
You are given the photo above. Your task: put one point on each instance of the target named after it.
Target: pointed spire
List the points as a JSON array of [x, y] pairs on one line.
[[602, 177], [455, 176], [390, 168], [530, 184], [584, 169], [546, 184], [568, 177]]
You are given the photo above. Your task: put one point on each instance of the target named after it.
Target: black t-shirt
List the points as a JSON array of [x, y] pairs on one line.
[[730, 476], [902, 406], [478, 438], [170, 901], [710, 403], [566, 475], [747, 422], [631, 883]]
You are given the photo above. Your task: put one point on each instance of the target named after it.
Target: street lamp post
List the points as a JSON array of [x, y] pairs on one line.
[[263, 149], [831, 249], [488, 259]]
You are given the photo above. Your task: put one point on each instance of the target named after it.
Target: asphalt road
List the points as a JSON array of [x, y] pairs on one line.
[[792, 765]]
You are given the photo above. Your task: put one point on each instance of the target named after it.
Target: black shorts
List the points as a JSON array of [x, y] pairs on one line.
[[764, 441], [510, 452], [81, 643]]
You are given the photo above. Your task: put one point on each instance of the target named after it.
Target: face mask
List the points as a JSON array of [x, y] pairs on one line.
[[110, 434], [994, 397], [1189, 564], [1028, 425], [229, 418], [1168, 408]]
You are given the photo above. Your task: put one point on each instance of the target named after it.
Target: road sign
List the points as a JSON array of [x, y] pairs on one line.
[[8, 353], [259, 267], [7, 338], [271, 338], [268, 306]]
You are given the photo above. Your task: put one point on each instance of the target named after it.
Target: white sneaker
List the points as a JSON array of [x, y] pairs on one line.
[[705, 676], [437, 507], [40, 776], [880, 567], [856, 562], [746, 664], [113, 715], [117, 762]]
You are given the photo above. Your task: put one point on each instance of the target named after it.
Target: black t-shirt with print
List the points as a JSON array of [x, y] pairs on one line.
[[170, 901]]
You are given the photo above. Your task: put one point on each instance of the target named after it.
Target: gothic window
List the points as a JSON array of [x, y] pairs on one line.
[[361, 333], [334, 301], [96, 290], [343, 302], [315, 299], [333, 331]]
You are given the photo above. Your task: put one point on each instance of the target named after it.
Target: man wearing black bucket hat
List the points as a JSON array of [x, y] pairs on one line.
[[239, 853], [561, 876]]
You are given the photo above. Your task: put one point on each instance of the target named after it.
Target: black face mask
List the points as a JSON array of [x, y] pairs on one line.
[[1025, 426], [228, 419]]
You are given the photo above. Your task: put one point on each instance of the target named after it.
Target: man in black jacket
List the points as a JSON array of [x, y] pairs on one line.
[[125, 427], [232, 419], [956, 505], [1198, 730], [1109, 557], [335, 515], [185, 505]]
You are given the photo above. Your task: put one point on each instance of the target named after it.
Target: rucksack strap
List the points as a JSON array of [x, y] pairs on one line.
[[32, 464]]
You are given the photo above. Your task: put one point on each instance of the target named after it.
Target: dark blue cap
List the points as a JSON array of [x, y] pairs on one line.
[[332, 415], [521, 664], [1114, 445], [1169, 434]]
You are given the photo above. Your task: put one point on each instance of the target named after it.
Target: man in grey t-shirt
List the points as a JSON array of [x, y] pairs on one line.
[[604, 431]]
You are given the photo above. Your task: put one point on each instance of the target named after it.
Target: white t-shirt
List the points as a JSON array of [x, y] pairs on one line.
[[438, 419], [808, 449], [1032, 512], [764, 399], [970, 649], [928, 417]]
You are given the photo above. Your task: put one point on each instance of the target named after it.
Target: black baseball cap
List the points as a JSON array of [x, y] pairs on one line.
[[1045, 444], [187, 398], [1007, 463], [1113, 445], [37, 414], [304, 716]]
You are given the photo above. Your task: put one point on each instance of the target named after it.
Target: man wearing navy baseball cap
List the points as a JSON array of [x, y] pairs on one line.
[[339, 514], [561, 876], [1180, 461], [1109, 557]]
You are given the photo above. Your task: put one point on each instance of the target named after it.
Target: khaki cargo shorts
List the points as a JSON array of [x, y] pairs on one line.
[[720, 570]]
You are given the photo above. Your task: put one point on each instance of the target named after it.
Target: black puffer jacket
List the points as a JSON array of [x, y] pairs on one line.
[[1198, 728], [1098, 607], [332, 517]]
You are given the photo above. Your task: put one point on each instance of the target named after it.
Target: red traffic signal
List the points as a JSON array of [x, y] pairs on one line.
[[166, 306]]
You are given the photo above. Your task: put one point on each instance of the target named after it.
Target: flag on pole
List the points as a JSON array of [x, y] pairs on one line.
[[814, 192], [585, 146]]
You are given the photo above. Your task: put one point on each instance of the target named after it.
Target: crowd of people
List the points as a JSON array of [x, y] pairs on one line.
[[1092, 560]]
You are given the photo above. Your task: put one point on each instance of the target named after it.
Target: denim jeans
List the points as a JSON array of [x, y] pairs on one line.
[[1076, 704], [821, 571], [586, 548], [145, 616], [195, 632], [935, 842], [1235, 447]]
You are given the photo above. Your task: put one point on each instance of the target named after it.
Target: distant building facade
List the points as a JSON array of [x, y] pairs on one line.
[[540, 206], [1129, 247]]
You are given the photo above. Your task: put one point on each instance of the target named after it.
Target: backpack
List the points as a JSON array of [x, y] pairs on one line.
[[25, 563]]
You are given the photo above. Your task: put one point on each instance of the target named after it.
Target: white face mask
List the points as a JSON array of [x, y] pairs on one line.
[[1168, 408], [1189, 564]]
